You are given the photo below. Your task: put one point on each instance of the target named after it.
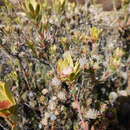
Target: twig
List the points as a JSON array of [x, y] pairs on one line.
[[80, 115]]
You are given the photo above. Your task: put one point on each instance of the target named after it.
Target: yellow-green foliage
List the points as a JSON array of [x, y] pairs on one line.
[[6, 100], [32, 9], [67, 70], [95, 33], [115, 60]]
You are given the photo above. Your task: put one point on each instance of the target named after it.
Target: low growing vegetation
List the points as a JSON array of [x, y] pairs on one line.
[[63, 66]]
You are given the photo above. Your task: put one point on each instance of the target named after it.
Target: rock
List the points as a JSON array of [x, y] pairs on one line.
[[108, 4]]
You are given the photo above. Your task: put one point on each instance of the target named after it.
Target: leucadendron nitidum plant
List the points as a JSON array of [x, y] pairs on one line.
[[115, 60], [7, 102], [6, 99], [95, 34], [66, 68]]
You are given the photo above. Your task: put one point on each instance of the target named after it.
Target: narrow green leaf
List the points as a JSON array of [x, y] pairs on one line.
[[37, 9], [39, 18], [31, 8]]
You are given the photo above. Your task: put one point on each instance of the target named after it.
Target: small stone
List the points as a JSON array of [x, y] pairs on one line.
[[54, 98], [47, 115], [57, 112], [40, 126], [52, 105], [44, 91], [122, 93], [31, 94], [44, 121], [53, 117], [56, 82], [113, 96], [62, 108], [61, 95]]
